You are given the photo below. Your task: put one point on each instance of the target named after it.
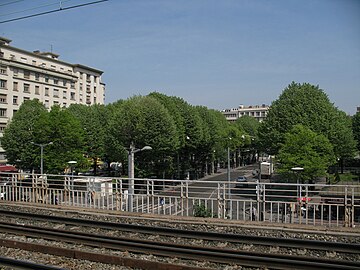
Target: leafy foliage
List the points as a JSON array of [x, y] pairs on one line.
[[20, 132], [356, 128], [307, 149], [200, 210], [309, 106]]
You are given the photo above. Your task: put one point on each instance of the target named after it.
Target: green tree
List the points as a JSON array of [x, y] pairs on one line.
[[93, 120], [356, 128], [307, 149], [249, 124], [307, 105], [145, 121], [20, 132], [67, 135]]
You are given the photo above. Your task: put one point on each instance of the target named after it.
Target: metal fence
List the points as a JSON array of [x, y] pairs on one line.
[[329, 205]]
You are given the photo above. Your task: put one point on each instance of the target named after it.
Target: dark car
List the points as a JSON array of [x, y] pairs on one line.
[[240, 181]]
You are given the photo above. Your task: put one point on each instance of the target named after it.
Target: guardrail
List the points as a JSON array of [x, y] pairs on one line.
[[316, 204]]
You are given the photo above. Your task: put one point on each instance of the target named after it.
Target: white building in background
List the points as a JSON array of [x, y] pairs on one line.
[[257, 111], [26, 75]]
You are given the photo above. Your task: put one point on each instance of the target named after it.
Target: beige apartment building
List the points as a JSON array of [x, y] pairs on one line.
[[26, 75], [257, 111]]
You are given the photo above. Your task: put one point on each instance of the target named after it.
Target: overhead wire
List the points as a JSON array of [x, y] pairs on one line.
[[38, 7], [9, 3], [52, 11]]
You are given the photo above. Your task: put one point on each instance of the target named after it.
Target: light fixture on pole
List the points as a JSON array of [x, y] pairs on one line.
[[72, 163], [297, 170], [41, 145], [228, 167], [131, 152]]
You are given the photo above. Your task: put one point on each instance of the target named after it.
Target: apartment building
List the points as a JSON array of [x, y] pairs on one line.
[[26, 75], [257, 111]]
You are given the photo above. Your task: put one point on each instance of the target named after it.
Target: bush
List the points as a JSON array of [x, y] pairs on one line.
[[200, 210]]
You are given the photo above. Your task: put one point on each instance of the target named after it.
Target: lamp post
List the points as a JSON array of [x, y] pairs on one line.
[[42, 145], [228, 168], [72, 163], [297, 170], [131, 152]]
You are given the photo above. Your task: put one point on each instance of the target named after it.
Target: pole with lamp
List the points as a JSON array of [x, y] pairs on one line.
[[72, 164], [42, 145], [131, 152], [297, 171], [228, 167]]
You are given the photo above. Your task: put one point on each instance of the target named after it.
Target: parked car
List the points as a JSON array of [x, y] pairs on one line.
[[240, 181]]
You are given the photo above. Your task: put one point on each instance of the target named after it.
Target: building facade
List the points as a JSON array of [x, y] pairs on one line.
[[26, 75], [257, 111]]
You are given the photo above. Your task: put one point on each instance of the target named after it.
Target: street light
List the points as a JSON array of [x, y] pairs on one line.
[[42, 145], [297, 170], [72, 163], [131, 152], [228, 168]]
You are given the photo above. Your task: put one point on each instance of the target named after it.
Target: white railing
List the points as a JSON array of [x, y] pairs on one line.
[[328, 205]]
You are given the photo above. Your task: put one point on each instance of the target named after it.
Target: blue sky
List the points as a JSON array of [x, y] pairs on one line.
[[214, 53]]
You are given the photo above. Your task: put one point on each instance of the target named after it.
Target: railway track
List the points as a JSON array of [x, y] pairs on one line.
[[227, 256], [203, 235], [25, 265]]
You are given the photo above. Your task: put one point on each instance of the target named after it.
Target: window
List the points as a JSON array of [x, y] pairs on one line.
[[34, 62], [37, 90], [53, 67], [46, 79], [64, 82], [3, 70], [72, 96], [23, 59], [26, 74], [15, 86], [15, 100], [2, 127], [88, 78], [88, 89], [64, 104], [26, 98], [2, 112], [56, 81], [2, 98], [47, 91], [14, 111], [56, 92], [64, 94], [81, 86], [46, 104], [94, 89], [3, 84], [37, 76], [26, 88], [72, 85], [56, 102], [1, 55], [16, 72], [94, 100]]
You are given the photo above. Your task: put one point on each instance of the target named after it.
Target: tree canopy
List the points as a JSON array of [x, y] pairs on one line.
[[356, 129], [307, 149], [309, 106]]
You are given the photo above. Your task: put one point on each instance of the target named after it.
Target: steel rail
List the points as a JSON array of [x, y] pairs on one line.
[[71, 253], [21, 264], [233, 238], [253, 259]]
